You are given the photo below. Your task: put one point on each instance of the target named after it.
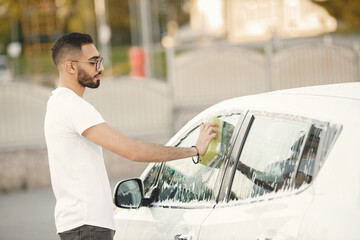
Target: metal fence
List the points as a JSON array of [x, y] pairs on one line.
[[201, 77], [137, 107], [197, 79], [22, 112], [313, 64]]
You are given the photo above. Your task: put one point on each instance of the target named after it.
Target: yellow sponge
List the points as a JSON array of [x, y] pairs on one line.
[[217, 147]]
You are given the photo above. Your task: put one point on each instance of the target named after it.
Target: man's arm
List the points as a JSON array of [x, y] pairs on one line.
[[111, 139]]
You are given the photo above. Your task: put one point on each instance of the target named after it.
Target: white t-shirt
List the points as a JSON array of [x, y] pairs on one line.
[[78, 175]]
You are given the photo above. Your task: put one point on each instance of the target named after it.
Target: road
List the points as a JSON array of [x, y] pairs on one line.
[[29, 215]]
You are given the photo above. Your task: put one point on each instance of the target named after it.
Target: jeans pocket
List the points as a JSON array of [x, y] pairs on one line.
[[73, 234], [104, 233]]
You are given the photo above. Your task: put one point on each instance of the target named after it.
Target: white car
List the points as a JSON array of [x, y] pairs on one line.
[[288, 169]]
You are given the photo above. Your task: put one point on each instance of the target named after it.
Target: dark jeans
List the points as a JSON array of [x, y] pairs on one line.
[[87, 232]]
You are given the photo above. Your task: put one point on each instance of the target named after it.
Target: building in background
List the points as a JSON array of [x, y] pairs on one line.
[[239, 21]]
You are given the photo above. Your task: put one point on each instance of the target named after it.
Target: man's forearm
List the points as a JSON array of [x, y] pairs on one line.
[[109, 138], [149, 152]]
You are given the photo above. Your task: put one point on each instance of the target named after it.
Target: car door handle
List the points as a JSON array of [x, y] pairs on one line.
[[182, 237]]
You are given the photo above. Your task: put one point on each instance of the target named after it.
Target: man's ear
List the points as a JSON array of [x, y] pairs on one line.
[[70, 67]]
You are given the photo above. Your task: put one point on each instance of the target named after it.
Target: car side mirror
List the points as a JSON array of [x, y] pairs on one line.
[[129, 193]]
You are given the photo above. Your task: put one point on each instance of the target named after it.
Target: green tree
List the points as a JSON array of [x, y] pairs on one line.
[[346, 12], [119, 21], [9, 14]]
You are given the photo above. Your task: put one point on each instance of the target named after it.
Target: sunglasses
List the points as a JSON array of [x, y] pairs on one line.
[[97, 62]]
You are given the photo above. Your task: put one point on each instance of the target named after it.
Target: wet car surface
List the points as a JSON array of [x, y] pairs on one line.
[[287, 169]]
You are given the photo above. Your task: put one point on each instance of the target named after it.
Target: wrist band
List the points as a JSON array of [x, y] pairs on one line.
[[197, 154]]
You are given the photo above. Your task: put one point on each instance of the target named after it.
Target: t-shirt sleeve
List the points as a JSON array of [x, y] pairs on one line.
[[84, 116]]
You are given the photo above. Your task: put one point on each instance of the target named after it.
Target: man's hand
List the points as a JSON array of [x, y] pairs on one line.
[[208, 131]]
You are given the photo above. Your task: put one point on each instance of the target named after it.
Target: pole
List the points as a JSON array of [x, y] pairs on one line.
[[104, 32]]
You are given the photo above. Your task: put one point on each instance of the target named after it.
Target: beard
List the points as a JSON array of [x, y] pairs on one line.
[[86, 80]]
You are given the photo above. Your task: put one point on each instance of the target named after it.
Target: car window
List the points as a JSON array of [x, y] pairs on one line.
[[151, 178], [306, 165], [278, 154], [183, 181]]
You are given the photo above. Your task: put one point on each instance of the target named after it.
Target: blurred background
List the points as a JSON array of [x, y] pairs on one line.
[[165, 61]]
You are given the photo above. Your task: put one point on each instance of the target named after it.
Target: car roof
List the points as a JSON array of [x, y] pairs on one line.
[[338, 103], [342, 90]]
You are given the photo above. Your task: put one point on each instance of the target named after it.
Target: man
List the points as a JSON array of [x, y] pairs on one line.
[[75, 134]]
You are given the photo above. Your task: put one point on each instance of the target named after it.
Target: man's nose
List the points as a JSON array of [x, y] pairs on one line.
[[101, 68]]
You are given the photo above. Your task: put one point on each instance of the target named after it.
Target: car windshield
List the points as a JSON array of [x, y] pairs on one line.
[[183, 181]]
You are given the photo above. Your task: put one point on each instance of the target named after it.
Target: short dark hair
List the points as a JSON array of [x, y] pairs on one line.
[[70, 43]]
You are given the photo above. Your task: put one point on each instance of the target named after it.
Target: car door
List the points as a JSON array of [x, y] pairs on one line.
[[266, 189], [187, 191]]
